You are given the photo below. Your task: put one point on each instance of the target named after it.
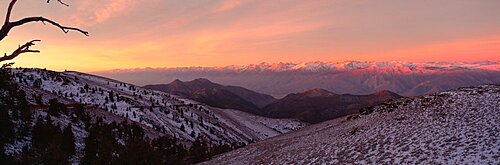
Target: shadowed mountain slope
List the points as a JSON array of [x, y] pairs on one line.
[[216, 95], [317, 105]]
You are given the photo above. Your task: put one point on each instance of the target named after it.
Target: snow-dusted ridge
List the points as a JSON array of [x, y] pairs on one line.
[[453, 127], [353, 77], [329, 66], [164, 113]]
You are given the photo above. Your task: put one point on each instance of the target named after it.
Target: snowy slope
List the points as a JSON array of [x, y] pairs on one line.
[[454, 127], [257, 127], [162, 112]]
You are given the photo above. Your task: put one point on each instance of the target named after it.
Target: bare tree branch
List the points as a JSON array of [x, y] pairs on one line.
[[7, 26], [9, 11], [65, 29], [7, 65], [22, 49], [60, 1]]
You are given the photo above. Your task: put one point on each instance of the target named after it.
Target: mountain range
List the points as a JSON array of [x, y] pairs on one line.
[[350, 77], [312, 106]]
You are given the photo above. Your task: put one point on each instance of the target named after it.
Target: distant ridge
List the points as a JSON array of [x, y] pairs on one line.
[[203, 90], [354, 77], [317, 105], [319, 66]]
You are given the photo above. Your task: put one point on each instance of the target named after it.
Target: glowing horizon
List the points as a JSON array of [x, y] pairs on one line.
[[157, 33]]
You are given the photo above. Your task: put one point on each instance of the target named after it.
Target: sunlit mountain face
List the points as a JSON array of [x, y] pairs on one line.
[[354, 77]]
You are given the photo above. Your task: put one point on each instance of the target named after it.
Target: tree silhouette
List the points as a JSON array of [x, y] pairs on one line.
[[68, 140], [9, 25]]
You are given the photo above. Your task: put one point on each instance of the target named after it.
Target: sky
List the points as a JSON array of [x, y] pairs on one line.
[[168, 33]]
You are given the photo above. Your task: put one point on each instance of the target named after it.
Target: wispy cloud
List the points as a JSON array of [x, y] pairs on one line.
[[93, 12], [112, 8], [227, 5]]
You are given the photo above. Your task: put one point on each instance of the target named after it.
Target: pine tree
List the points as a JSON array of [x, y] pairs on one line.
[[6, 128], [199, 150], [182, 127], [37, 83], [169, 151], [100, 144], [86, 87], [68, 140], [111, 96], [47, 147], [55, 108]]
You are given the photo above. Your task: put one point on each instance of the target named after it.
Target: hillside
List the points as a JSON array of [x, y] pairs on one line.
[[76, 118], [216, 95], [317, 105], [167, 114], [453, 127]]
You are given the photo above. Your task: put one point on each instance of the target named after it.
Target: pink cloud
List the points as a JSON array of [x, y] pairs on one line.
[[228, 5], [94, 12], [109, 10]]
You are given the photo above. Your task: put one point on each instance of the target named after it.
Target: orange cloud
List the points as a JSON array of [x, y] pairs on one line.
[[474, 49]]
